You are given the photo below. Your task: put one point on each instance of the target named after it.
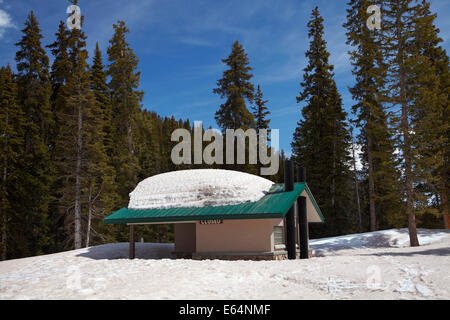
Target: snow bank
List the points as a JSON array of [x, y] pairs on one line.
[[198, 188], [393, 238]]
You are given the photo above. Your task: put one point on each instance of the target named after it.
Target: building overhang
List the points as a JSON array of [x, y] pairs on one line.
[[274, 204]]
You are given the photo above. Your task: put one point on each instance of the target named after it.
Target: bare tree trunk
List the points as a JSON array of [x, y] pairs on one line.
[[358, 203], [77, 236], [129, 129], [3, 200], [3, 213], [88, 232], [372, 211], [130, 138], [4, 235], [444, 199], [333, 180], [413, 239]]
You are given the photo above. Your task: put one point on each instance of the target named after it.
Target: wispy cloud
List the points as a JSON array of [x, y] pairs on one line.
[[285, 111], [5, 22], [180, 45], [194, 41], [199, 104]]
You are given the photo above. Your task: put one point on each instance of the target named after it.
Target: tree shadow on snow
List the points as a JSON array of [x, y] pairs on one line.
[[114, 251], [376, 240], [430, 252]]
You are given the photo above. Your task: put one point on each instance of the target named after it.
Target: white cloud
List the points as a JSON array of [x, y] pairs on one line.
[[5, 19], [5, 22]]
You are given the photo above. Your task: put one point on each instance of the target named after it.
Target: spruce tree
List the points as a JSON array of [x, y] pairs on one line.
[[148, 144], [61, 64], [321, 141], [34, 91], [60, 73], [79, 151], [100, 189], [398, 25], [102, 96], [236, 88], [11, 150], [370, 70], [429, 87], [260, 111], [126, 104]]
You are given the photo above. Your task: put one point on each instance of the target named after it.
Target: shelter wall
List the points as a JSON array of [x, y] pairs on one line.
[[253, 235]]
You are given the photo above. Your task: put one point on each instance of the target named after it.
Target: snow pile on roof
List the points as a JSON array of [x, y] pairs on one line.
[[198, 188]]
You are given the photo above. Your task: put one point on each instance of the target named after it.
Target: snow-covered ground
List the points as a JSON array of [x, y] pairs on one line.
[[377, 265]]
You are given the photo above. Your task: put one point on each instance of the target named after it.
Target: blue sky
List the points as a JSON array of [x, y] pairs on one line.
[[180, 45]]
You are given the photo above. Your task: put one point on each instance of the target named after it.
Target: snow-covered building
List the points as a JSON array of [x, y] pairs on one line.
[[221, 214]]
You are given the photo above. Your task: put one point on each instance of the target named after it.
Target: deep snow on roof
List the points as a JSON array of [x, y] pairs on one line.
[[274, 204], [198, 188]]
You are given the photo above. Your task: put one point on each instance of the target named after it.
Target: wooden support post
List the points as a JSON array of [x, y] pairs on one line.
[[132, 244], [290, 217], [303, 228]]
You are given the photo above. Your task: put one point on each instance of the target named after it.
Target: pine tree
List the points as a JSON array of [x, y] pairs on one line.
[[34, 91], [125, 100], [100, 191], [60, 73], [11, 150], [148, 144], [102, 96], [398, 25], [236, 87], [260, 113], [370, 71], [61, 64], [79, 151], [429, 86], [321, 141]]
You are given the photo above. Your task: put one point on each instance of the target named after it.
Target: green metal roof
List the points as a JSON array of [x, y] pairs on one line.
[[275, 204]]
